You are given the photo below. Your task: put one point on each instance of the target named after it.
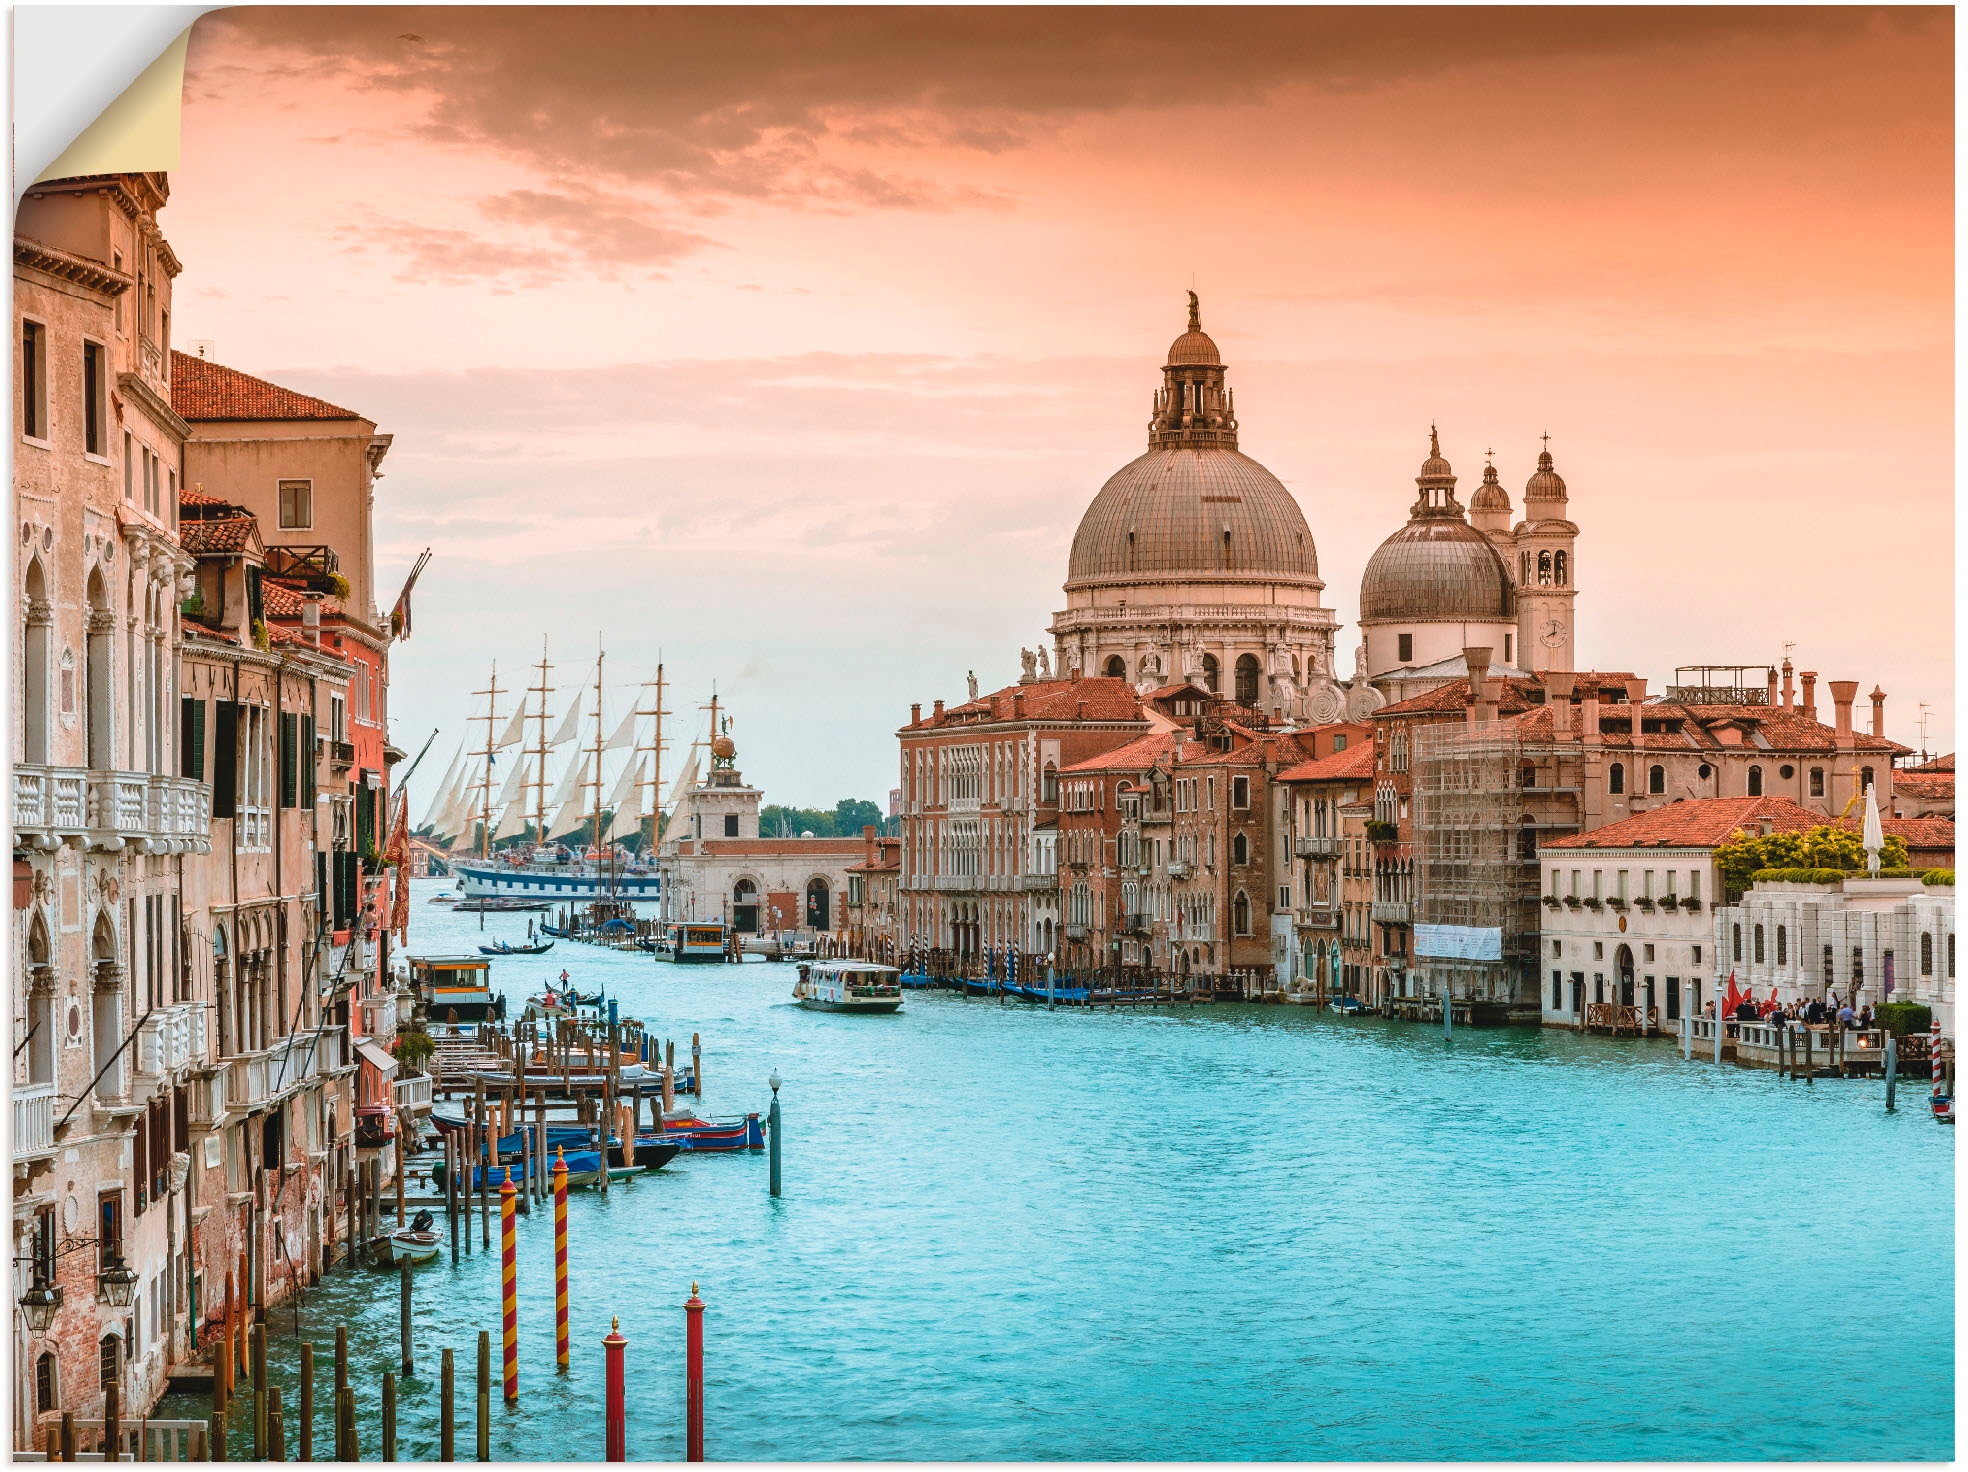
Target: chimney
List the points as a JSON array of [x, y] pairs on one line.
[[1789, 691], [1017, 704], [1476, 658], [1843, 693], [311, 618], [1771, 697], [1589, 716], [1079, 710], [1810, 706], [1878, 698], [1636, 694], [937, 713], [1558, 686], [915, 714]]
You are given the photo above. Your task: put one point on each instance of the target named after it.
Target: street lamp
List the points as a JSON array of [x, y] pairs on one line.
[[774, 1081], [116, 1284], [40, 1304]]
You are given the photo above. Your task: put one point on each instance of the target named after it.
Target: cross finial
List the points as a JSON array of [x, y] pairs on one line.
[[1547, 441], [1490, 455]]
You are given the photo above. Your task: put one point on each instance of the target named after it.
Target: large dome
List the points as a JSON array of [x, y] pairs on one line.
[[1436, 568], [1177, 513]]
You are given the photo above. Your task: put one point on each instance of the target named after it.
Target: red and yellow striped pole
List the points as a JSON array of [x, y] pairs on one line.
[[560, 1258], [509, 1246]]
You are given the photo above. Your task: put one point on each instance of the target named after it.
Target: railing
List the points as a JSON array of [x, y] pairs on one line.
[[413, 1092], [247, 1080], [34, 1120], [173, 1038], [311, 563], [1321, 846], [108, 809], [1178, 868], [1200, 934], [1038, 881], [138, 1441], [207, 1102], [151, 354], [1076, 932], [1392, 912], [1617, 1017]]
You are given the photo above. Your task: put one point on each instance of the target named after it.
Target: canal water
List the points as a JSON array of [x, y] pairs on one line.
[[1225, 1233]]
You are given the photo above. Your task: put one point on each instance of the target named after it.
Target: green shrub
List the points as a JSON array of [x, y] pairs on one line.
[[1799, 876], [1901, 1018], [1746, 855], [1382, 832], [1938, 876]]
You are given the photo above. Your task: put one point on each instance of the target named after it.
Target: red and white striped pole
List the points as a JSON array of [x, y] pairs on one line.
[[509, 1246], [560, 1259], [693, 1378], [618, 1403]]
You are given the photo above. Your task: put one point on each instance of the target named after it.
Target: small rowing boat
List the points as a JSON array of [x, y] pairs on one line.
[[503, 948], [411, 1245]]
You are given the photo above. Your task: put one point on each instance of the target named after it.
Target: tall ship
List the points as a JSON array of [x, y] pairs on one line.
[[553, 828]]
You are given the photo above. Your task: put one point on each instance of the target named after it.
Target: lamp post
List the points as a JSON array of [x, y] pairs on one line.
[[773, 1120], [116, 1284]]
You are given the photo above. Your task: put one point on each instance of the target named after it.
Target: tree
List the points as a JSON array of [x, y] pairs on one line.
[[852, 814], [1738, 860]]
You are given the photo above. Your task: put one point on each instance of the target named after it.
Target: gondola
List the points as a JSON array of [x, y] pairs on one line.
[[501, 948], [702, 1135]]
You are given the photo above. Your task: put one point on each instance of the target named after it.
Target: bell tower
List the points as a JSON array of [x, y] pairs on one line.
[[1547, 573]]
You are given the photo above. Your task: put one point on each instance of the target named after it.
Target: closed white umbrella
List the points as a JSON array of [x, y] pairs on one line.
[[1875, 838]]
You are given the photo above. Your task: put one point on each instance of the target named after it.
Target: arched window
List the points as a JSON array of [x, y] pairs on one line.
[[1926, 954], [44, 1383], [1049, 784], [1240, 913], [1656, 780], [1527, 775], [1524, 569], [1736, 943], [1783, 946], [1527, 841], [1544, 569], [111, 1355], [40, 1004], [1239, 849], [1865, 778], [1756, 945], [1247, 679], [1755, 781], [818, 906], [97, 685], [37, 664], [1559, 573], [1616, 779], [1211, 674], [1116, 667], [1817, 781]]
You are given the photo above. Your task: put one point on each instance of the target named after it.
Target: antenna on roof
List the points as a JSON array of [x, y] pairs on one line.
[[1925, 710]]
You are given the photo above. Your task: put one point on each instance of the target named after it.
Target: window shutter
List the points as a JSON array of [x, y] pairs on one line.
[[308, 762], [225, 761], [289, 759], [191, 738]]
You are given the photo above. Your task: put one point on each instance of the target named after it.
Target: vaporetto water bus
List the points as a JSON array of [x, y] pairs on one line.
[[848, 986]]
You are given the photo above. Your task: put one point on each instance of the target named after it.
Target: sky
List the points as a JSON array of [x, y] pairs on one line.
[[788, 346]]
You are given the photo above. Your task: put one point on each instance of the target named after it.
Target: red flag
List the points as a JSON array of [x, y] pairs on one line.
[[1734, 997], [398, 853]]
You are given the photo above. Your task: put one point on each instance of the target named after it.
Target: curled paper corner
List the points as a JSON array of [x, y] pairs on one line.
[[139, 131]]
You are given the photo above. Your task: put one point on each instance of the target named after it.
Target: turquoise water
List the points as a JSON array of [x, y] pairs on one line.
[[1226, 1233]]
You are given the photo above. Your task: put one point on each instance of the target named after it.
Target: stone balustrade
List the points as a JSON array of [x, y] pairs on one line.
[[106, 810], [34, 1120]]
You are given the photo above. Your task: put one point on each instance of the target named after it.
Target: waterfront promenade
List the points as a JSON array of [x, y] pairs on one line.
[[1229, 1232]]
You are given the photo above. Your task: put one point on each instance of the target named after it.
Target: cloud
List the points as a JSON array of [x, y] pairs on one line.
[[600, 229], [746, 102]]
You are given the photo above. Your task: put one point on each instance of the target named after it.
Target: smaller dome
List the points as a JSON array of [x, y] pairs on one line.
[[1195, 346], [1436, 568], [1547, 484], [1490, 496]]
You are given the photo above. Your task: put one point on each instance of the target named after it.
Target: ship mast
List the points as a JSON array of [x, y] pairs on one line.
[[654, 806], [491, 694], [594, 816], [542, 691]]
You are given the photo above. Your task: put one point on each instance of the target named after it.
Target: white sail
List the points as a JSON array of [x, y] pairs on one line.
[[624, 736], [573, 813], [457, 804], [515, 728], [570, 724], [628, 816], [682, 802], [514, 821], [511, 788], [570, 783], [441, 790]]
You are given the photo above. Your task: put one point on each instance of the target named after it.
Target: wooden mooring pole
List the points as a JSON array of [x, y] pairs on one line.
[[403, 1318], [1892, 1068], [389, 1416], [484, 1395], [446, 1425], [276, 1426], [304, 1450]]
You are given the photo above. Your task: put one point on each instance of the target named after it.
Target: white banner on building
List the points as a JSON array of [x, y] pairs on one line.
[[1459, 942]]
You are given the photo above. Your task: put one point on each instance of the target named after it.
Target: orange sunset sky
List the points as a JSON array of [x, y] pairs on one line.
[[794, 343]]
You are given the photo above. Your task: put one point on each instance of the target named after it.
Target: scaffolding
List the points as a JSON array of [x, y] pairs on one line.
[[1484, 798]]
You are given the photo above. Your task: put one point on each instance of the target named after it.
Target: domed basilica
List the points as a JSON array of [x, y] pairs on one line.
[[1194, 563]]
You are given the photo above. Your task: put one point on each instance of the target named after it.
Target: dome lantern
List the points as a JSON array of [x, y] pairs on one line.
[[1193, 408]]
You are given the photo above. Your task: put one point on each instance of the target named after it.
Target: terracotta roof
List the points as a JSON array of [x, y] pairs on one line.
[[202, 389], [1281, 746], [1938, 764], [189, 497], [1919, 782], [767, 847], [1512, 697], [233, 534], [1045, 700], [1137, 756], [1696, 822], [284, 602], [1919, 833], [1352, 764]]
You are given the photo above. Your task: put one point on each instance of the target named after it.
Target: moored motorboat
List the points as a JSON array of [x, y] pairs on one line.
[[1349, 1006], [412, 1245], [702, 1135], [1943, 1107], [848, 986]]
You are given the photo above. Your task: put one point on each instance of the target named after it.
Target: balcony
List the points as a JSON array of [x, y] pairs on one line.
[[1196, 934], [206, 1101], [1179, 869], [172, 1039], [413, 1094], [318, 567], [108, 810], [1077, 932], [246, 1078], [341, 755], [1317, 847], [34, 1121], [1393, 912], [1136, 922], [1038, 881]]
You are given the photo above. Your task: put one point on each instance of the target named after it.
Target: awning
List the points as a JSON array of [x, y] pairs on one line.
[[376, 1055]]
